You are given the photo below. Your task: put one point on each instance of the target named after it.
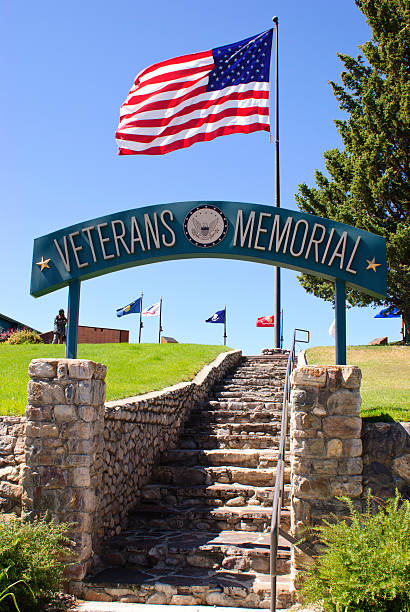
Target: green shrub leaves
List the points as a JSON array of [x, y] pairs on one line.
[[32, 557], [23, 336], [365, 565]]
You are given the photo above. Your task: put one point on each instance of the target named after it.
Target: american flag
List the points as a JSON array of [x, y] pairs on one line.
[[197, 97]]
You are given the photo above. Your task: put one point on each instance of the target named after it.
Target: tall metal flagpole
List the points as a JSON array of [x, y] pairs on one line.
[[225, 327], [277, 309], [281, 328], [141, 324], [277, 300], [160, 320]]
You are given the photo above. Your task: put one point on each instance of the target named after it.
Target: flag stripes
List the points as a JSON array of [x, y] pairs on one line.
[[187, 142], [157, 116]]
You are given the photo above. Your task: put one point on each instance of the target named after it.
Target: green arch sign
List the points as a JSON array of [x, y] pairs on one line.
[[230, 230]]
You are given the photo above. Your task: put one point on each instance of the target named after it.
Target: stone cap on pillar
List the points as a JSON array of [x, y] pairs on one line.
[[346, 376], [80, 369]]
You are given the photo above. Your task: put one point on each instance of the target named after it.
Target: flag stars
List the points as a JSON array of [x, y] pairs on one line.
[[238, 64]]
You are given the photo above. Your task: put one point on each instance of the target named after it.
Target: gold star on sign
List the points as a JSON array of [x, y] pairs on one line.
[[43, 263], [372, 264]]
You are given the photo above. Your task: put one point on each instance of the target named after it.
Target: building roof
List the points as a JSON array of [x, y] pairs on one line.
[[15, 322]]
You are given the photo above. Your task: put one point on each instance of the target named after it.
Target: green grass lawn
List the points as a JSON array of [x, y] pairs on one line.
[[132, 368], [385, 370]]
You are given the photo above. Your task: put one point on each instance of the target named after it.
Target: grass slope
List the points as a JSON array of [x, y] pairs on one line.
[[385, 370], [132, 368]]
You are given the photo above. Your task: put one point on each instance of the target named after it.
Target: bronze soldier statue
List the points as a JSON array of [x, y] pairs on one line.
[[59, 328]]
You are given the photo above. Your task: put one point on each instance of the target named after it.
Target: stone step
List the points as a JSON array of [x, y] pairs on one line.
[[232, 550], [187, 586], [271, 427], [217, 494], [262, 358], [200, 475], [275, 373], [238, 405], [250, 388], [208, 440], [250, 458], [233, 416], [275, 368], [247, 384], [263, 362], [252, 372], [251, 396], [245, 378], [204, 518]]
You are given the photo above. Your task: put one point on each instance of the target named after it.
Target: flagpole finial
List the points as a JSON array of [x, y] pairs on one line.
[[275, 20]]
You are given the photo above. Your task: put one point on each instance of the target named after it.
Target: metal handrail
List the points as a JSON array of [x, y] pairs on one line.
[[280, 470]]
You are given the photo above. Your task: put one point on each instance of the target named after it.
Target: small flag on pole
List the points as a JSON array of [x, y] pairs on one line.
[[152, 311], [197, 97], [265, 321], [332, 329], [134, 307], [218, 317], [388, 313]]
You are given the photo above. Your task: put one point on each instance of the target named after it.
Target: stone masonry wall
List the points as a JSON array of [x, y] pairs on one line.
[[326, 449], [63, 471], [85, 462], [386, 458], [137, 430], [12, 434]]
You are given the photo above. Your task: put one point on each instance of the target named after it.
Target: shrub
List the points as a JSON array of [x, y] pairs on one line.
[[365, 565], [5, 334], [24, 336], [34, 555], [8, 590]]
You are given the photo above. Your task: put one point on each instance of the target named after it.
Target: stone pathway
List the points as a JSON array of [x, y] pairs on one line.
[[200, 532]]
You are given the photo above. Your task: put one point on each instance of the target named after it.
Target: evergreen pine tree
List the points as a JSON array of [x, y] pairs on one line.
[[368, 181]]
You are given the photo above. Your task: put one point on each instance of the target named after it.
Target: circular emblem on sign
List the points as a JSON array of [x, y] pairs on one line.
[[205, 226]]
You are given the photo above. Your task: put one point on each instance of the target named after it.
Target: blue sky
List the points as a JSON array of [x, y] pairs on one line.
[[68, 69]]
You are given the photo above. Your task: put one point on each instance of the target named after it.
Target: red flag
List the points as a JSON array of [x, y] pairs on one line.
[[265, 322]]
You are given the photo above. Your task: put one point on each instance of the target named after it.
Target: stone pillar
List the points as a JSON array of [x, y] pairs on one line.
[[326, 449], [62, 475]]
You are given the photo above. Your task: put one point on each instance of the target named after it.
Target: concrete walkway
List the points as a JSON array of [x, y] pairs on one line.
[[102, 606]]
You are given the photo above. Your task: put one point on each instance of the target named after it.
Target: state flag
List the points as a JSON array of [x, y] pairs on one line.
[[218, 317], [388, 313], [152, 311], [197, 97], [134, 307], [265, 322]]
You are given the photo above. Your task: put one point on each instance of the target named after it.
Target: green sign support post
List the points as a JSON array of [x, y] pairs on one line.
[[270, 235], [340, 316], [73, 315]]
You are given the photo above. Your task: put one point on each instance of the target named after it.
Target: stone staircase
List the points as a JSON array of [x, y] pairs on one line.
[[200, 534]]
